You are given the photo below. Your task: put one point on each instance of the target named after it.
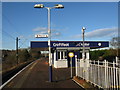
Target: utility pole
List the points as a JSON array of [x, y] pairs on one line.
[[17, 50]]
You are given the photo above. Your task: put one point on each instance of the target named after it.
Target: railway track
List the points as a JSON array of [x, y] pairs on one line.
[[6, 77]]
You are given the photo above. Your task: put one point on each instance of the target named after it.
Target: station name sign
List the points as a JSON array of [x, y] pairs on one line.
[[94, 44], [61, 44], [68, 44]]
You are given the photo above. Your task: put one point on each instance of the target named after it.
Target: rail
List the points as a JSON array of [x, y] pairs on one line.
[[104, 74]]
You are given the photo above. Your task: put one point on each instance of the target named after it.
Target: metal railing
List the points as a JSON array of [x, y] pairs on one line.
[[104, 74]]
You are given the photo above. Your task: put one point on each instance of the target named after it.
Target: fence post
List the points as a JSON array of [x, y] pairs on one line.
[[116, 77], [116, 60], [94, 70], [87, 69], [76, 65], [105, 83], [119, 77], [112, 84], [98, 73], [107, 74], [79, 71], [91, 70], [113, 74]]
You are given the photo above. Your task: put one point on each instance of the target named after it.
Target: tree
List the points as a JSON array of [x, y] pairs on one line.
[[35, 53], [24, 55], [9, 60], [97, 54], [108, 54], [115, 43]]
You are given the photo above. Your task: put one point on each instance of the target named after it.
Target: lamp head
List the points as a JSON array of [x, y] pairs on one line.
[[58, 6], [83, 28], [38, 6]]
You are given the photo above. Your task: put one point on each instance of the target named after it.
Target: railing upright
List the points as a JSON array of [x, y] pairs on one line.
[[113, 74], [76, 66], [98, 74], [101, 73]]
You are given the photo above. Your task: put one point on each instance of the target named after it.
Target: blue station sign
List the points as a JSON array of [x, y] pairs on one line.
[[91, 44]]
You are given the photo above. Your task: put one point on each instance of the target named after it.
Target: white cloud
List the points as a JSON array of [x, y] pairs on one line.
[[40, 29], [100, 33], [56, 34], [105, 32], [44, 30], [21, 37]]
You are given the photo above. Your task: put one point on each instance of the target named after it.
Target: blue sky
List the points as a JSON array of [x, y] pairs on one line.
[[22, 20]]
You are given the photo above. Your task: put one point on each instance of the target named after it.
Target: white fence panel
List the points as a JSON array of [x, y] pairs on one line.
[[104, 74]]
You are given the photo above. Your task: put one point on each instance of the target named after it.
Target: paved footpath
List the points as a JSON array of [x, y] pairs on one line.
[[36, 76]]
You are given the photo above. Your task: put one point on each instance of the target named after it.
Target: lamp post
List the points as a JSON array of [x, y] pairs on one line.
[[57, 6], [83, 55], [85, 61], [83, 32]]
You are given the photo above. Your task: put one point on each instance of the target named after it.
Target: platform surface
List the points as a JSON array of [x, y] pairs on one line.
[[36, 76]]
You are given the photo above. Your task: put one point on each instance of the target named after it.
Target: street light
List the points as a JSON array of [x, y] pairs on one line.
[[57, 6], [83, 32], [38, 6], [42, 6], [85, 62]]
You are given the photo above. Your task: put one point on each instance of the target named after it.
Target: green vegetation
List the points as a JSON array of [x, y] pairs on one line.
[[24, 56], [35, 54], [9, 60], [108, 54]]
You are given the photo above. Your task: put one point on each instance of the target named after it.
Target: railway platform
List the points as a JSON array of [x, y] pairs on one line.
[[36, 76]]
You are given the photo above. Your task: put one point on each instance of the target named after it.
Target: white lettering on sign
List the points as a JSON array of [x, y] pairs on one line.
[[41, 36], [81, 44], [99, 44], [60, 44]]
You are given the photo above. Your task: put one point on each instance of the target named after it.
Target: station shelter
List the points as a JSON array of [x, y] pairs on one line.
[[61, 49]]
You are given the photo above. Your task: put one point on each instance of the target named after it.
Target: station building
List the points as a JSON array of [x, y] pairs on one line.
[[60, 50]]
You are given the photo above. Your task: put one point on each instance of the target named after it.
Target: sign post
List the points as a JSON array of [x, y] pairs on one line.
[[71, 54]]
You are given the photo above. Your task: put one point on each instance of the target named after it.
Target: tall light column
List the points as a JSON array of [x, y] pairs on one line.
[[57, 6], [49, 44], [85, 60], [83, 31]]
